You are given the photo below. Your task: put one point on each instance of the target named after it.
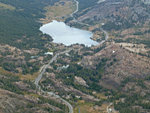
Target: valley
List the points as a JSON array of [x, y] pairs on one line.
[[39, 75]]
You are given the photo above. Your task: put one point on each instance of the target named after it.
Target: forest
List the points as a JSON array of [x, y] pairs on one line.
[[22, 23]]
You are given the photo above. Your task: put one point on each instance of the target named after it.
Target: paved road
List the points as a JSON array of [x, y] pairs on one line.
[[106, 36], [77, 8], [42, 71], [108, 111], [75, 20]]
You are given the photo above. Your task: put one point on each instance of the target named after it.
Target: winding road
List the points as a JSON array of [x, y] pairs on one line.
[[106, 36], [75, 20], [105, 32], [42, 71], [77, 8]]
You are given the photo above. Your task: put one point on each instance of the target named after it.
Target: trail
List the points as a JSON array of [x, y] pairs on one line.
[[42, 71]]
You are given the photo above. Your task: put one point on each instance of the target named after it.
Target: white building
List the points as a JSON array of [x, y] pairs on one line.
[[49, 53]]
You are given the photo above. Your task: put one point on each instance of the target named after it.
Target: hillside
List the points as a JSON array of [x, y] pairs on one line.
[[19, 39], [113, 76]]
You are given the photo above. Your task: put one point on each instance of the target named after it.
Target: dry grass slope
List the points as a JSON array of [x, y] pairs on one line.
[[58, 11], [5, 6]]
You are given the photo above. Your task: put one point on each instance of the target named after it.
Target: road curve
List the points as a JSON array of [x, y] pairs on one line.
[[42, 71], [108, 111], [75, 20], [77, 8], [106, 36]]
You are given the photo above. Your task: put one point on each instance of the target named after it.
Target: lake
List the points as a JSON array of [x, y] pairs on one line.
[[62, 33]]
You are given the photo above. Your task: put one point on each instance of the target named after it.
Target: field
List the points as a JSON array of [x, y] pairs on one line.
[[85, 107], [59, 11]]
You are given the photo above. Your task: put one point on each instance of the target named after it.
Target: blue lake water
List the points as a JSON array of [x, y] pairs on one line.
[[62, 33]]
